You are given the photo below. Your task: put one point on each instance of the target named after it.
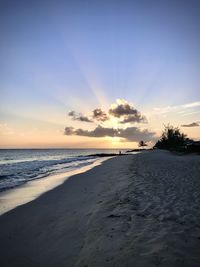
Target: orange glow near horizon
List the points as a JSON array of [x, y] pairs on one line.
[[48, 131]]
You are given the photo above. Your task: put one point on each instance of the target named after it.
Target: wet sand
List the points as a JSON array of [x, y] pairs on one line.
[[136, 210], [31, 190]]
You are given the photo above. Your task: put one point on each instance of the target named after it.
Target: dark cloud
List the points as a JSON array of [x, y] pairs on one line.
[[83, 118], [134, 118], [69, 130], [97, 132], [79, 117], [100, 115], [127, 111], [193, 124], [133, 134], [122, 110], [71, 113]]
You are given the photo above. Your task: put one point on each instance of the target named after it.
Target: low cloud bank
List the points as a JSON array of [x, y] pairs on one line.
[[131, 134]]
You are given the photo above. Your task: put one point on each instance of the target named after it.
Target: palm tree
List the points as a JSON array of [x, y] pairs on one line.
[[142, 144]]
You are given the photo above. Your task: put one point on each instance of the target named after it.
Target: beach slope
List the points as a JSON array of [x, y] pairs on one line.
[[136, 210]]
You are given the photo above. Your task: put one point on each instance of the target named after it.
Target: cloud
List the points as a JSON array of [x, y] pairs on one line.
[[192, 105], [184, 107], [79, 117], [193, 124], [97, 132], [100, 115], [134, 118], [122, 110], [131, 134], [83, 118], [127, 111], [71, 113], [134, 134]]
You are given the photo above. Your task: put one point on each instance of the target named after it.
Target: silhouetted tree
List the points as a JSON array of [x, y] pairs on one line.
[[171, 138], [142, 144]]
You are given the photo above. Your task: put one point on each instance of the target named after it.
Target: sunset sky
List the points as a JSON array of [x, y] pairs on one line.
[[83, 74]]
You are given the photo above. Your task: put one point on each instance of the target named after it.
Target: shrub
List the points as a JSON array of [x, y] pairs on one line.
[[171, 138]]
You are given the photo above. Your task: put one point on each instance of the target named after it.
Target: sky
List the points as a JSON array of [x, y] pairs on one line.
[[63, 64]]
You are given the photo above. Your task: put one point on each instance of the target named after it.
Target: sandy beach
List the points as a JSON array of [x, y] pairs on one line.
[[136, 210]]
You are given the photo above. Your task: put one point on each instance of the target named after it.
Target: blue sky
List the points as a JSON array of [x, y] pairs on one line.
[[58, 56]]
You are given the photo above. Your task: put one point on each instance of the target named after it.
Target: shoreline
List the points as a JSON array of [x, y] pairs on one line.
[[139, 210], [31, 190]]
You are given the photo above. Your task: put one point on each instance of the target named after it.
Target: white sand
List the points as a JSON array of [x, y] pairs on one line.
[[140, 210]]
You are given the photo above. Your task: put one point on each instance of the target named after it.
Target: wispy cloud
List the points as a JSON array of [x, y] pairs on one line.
[[193, 124], [191, 113], [192, 105], [168, 109]]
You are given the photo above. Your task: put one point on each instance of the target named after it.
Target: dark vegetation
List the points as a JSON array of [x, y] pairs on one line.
[[173, 139]]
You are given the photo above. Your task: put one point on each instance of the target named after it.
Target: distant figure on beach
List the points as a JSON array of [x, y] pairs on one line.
[[120, 152]]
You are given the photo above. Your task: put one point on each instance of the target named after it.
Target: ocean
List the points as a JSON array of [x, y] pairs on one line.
[[18, 166]]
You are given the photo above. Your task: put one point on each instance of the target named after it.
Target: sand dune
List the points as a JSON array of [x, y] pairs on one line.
[[137, 210]]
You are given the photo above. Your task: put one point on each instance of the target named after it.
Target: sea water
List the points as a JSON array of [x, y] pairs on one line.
[[18, 166]]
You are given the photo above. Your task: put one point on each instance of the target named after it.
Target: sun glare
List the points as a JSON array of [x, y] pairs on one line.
[[114, 141]]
